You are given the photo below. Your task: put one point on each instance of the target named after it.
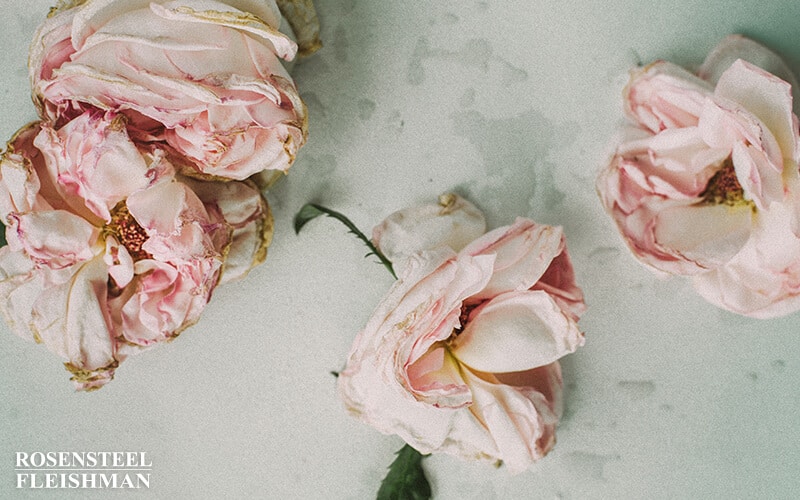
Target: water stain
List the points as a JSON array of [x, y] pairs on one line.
[[366, 108], [315, 106], [583, 464], [310, 69], [779, 365], [637, 390], [476, 54], [348, 6], [511, 74], [450, 18], [752, 376], [518, 179], [323, 166], [395, 122], [603, 255], [467, 99], [341, 45]]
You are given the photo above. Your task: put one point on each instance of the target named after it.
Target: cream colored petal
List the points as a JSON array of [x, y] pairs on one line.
[[767, 97], [516, 331], [735, 47], [706, 234], [453, 222], [284, 46], [72, 318]]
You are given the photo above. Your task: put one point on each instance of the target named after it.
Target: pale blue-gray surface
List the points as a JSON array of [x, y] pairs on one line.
[[513, 104]]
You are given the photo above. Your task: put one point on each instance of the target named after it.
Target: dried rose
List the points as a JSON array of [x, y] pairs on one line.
[[109, 251], [206, 77], [707, 183], [461, 356]]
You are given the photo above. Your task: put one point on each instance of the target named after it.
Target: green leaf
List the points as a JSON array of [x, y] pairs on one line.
[[406, 479], [3, 241], [306, 214], [311, 211]]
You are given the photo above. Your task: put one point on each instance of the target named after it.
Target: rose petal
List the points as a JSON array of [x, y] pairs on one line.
[[523, 252], [734, 47], [516, 331], [453, 222], [708, 235], [55, 238], [767, 97], [520, 421], [663, 95]]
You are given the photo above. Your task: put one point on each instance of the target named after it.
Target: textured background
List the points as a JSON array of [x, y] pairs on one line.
[[512, 104]]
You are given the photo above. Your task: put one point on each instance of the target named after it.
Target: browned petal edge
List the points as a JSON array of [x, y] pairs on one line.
[[447, 201], [190, 170], [62, 5], [25, 128], [266, 178], [266, 230], [288, 89], [302, 17], [86, 376]]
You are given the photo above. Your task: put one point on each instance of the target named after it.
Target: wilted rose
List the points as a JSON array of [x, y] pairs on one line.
[[461, 356], [707, 183], [109, 250], [205, 77]]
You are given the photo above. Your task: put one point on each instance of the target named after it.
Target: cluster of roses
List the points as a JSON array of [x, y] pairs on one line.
[[135, 195]]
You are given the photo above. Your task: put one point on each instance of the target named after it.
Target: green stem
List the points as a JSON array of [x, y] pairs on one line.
[[312, 210]]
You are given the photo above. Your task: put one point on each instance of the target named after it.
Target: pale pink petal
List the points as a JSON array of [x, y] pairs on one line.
[[54, 238], [435, 378], [248, 223], [95, 160], [763, 280], [19, 185], [175, 220], [663, 95], [523, 253], [520, 420], [119, 262], [166, 299], [757, 176]]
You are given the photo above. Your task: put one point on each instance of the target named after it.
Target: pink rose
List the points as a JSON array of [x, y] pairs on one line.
[[707, 183], [461, 356], [206, 77], [110, 251]]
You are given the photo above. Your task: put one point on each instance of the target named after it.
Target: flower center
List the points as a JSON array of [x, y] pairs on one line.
[[724, 188], [127, 231], [466, 309]]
